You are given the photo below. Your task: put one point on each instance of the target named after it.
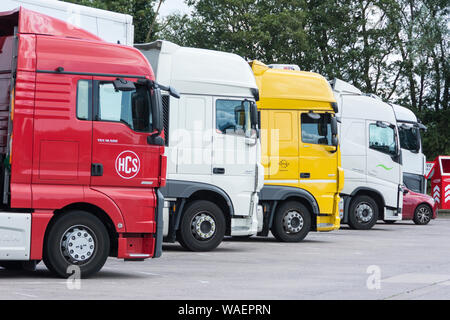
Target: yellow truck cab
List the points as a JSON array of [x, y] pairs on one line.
[[300, 153]]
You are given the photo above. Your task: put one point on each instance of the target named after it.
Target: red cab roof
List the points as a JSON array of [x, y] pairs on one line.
[[29, 21]]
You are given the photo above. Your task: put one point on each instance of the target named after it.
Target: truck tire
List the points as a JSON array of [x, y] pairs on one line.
[[363, 213], [422, 214], [202, 226], [77, 239], [292, 222]]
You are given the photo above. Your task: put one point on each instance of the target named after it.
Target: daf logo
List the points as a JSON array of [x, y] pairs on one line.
[[284, 164], [128, 164]]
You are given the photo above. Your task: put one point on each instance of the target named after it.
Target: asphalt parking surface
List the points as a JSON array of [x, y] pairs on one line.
[[410, 262]]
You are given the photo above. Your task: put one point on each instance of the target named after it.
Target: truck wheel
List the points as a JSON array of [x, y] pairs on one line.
[[292, 222], [202, 226], [422, 214], [363, 213], [77, 238]]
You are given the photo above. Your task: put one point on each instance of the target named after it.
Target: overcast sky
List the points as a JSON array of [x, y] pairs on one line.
[[172, 6]]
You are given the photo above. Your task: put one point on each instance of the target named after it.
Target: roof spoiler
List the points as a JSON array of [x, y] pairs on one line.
[[28, 21], [344, 87]]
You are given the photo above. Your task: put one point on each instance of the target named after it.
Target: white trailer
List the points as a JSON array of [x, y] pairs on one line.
[[110, 26], [371, 158], [213, 147], [414, 161]]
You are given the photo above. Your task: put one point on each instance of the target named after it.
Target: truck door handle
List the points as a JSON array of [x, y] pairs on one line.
[[97, 170], [219, 170], [305, 175]]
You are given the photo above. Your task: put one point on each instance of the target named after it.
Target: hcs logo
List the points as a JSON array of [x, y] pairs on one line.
[[128, 164]]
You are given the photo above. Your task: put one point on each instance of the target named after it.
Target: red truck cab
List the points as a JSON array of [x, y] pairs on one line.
[[81, 151]]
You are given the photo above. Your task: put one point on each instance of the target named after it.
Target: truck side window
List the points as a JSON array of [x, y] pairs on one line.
[[409, 138], [382, 139], [316, 131], [129, 107], [233, 116], [84, 99]]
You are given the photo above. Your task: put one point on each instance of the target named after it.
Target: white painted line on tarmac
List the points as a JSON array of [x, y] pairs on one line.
[[419, 278], [25, 295], [149, 273]]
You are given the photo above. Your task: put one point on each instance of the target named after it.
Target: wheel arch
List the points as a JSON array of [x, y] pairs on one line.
[[276, 195], [374, 194], [189, 191], [95, 211]]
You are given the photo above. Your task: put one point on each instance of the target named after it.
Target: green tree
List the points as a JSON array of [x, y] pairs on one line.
[[397, 49]]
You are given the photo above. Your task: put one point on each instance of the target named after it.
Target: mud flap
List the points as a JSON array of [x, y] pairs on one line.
[[159, 224]]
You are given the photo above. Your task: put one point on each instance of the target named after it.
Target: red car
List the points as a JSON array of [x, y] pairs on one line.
[[419, 207]]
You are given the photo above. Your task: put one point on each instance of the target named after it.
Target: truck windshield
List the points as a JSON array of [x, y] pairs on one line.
[[132, 108], [233, 116], [382, 139], [409, 138]]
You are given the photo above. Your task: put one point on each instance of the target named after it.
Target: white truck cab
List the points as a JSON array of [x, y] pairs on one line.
[[214, 170], [371, 158], [414, 161]]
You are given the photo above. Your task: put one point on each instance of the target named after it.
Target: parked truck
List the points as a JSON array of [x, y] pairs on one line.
[[213, 149], [371, 158], [82, 159], [414, 161], [300, 152], [110, 26]]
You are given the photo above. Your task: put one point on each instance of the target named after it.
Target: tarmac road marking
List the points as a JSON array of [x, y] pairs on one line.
[[419, 278]]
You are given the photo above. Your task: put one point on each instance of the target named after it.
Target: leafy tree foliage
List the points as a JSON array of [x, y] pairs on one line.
[[397, 49]]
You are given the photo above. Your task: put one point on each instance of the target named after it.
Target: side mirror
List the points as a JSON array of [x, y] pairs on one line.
[[335, 141], [381, 124], [418, 140], [405, 190], [123, 85], [174, 93], [157, 117], [254, 114], [334, 127], [314, 116]]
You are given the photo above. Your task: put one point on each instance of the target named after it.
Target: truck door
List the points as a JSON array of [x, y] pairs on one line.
[[383, 167], [318, 158], [62, 136], [234, 151], [283, 145], [121, 155]]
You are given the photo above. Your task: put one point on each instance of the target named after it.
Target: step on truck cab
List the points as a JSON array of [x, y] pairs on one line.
[[81, 157], [300, 152], [414, 161], [371, 158], [212, 145]]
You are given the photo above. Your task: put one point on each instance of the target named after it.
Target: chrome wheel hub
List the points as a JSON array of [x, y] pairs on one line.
[[293, 222], [203, 226], [78, 244], [364, 212], [424, 215]]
